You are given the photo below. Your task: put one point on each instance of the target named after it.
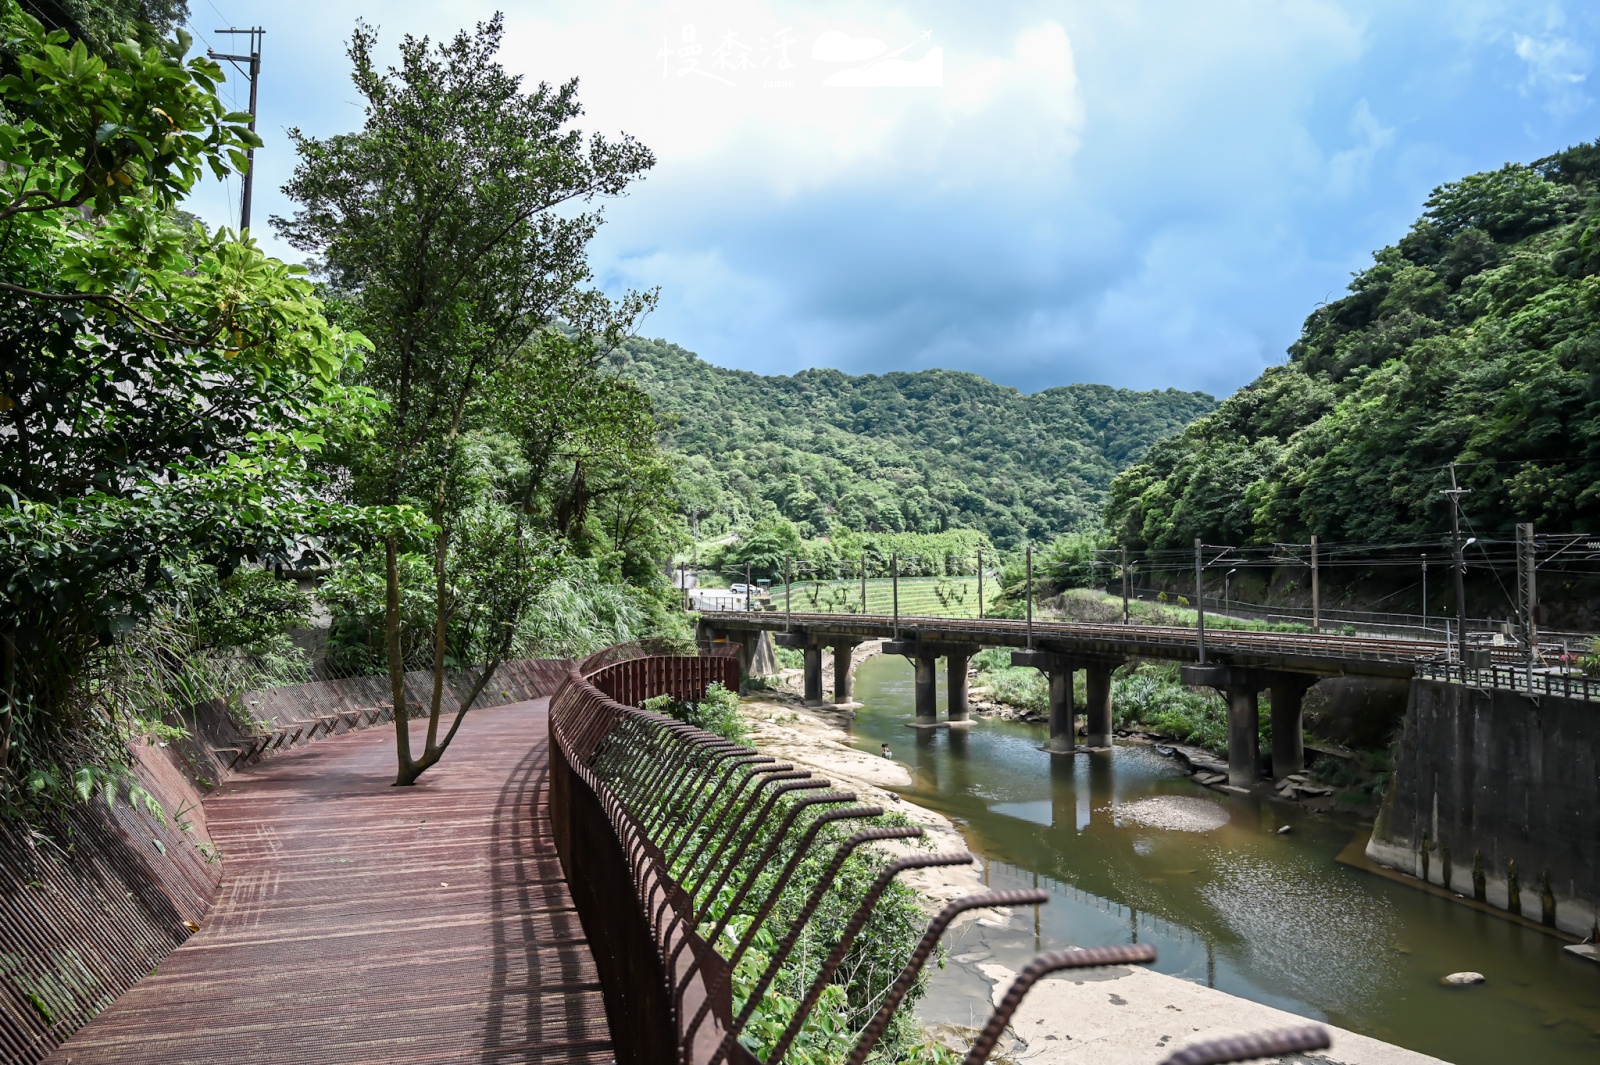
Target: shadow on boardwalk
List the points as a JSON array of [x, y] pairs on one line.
[[362, 923]]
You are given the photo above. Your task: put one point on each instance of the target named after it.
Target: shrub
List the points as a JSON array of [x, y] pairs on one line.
[[718, 712]]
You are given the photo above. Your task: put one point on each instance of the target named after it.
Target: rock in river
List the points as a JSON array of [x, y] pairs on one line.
[[1462, 979]]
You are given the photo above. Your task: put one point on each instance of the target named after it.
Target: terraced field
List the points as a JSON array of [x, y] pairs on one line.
[[928, 597]]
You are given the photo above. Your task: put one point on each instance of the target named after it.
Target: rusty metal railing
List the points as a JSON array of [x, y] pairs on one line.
[[664, 831]]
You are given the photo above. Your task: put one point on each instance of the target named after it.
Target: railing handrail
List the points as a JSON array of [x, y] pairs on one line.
[[631, 788]]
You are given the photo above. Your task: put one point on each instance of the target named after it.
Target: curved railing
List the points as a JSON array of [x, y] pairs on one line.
[[637, 796]]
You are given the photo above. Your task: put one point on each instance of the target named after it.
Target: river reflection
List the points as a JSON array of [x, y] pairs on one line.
[[1132, 850]]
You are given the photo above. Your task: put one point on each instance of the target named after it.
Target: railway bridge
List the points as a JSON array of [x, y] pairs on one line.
[[1238, 664]]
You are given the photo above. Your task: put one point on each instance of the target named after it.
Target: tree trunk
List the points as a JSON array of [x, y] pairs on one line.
[[440, 615], [397, 669]]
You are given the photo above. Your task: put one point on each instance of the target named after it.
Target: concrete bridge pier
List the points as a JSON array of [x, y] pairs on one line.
[[955, 669], [813, 674], [925, 657], [1288, 693], [1063, 716], [1244, 735], [1097, 677], [927, 687], [754, 648], [843, 682], [810, 647], [1242, 687]]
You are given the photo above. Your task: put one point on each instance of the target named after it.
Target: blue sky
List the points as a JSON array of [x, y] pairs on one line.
[[1143, 193]]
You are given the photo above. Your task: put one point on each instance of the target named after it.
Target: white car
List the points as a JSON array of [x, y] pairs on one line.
[[742, 589]]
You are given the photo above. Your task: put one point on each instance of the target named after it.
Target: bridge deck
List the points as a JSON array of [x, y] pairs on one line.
[[1325, 653], [363, 923]]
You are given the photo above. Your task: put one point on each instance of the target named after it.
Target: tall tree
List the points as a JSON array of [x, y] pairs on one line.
[[160, 389], [451, 231]]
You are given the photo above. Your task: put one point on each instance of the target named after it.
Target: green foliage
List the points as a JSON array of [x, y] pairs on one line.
[[928, 597], [911, 554], [102, 23], [869, 965], [789, 657], [903, 452], [1154, 697], [1022, 687], [718, 712], [163, 389], [769, 543], [249, 608], [138, 126], [1475, 340]]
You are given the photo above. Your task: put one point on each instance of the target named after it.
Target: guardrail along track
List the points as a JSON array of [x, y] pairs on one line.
[[1181, 641], [669, 836]]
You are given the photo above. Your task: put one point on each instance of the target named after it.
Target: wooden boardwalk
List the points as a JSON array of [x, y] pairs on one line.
[[358, 922]]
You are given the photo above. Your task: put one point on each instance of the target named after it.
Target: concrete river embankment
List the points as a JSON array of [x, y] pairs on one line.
[[1130, 848]]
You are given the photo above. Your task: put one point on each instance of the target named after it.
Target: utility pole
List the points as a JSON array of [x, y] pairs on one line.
[[788, 597], [894, 587], [863, 582], [1316, 591], [1200, 599], [980, 582], [1029, 593], [747, 587], [1424, 595], [1527, 592], [1455, 492], [252, 70], [1124, 585]]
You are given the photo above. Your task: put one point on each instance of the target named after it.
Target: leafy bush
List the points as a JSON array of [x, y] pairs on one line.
[[1154, 697], [869, 966], [718, 712]]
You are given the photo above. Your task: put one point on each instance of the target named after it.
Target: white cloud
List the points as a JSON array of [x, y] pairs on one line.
[[1557, 67], [1139, 192], [1349, 169]]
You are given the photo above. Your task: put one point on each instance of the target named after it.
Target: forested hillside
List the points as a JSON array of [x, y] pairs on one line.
[[1475, 340], [912, 452]]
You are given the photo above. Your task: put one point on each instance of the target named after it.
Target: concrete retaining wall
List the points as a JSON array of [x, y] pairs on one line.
[[1496, 795]]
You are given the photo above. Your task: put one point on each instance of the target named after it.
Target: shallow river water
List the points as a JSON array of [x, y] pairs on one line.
[[1227, 900]]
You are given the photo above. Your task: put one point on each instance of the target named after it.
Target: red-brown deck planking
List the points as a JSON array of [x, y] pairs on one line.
[[359, 922]]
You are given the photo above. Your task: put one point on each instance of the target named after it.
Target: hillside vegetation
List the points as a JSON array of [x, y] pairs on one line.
[[1475, 340], [902, 452]]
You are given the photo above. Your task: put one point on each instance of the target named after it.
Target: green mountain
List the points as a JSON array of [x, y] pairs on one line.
[[1474, 340], [902, 452]]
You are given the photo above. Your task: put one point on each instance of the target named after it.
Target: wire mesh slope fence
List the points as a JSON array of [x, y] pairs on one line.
[[688, 857]]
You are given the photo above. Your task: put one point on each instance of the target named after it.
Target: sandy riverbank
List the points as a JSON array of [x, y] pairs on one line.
[[817, 740], [1123, 1016]]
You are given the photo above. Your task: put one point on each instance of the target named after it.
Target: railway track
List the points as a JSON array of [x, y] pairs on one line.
[[1155, 641]]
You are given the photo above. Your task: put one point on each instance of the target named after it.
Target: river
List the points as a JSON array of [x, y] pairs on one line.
[[1242, 907]]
